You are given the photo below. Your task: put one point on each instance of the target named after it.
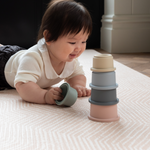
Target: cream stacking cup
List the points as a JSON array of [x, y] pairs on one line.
[[103, 63], [103, 90]]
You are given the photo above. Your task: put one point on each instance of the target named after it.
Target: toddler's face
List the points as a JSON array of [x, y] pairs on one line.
[[67, 48]]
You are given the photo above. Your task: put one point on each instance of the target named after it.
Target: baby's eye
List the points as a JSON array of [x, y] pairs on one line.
[[84, 42], [72, 43]]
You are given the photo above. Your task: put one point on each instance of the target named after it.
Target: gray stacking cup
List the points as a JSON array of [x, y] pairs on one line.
[[103, 97], [103, 87], [104, 78], [70, 95]]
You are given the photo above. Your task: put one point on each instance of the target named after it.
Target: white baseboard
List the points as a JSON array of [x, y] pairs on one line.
[[125, 33]]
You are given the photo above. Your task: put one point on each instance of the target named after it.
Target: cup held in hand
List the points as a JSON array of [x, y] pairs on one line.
[[70, 95]]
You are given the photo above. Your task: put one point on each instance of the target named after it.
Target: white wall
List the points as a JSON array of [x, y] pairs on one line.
[[126, 26]]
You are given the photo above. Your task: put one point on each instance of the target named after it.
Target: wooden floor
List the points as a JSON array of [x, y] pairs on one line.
[[137, 61]]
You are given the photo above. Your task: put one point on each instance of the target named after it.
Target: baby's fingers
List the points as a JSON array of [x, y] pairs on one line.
[[57, 94], [79, 91], [57, 97], [88, 92], [84, 92], [58, 89]]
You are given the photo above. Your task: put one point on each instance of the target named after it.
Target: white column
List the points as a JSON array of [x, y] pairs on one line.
[[126, 26]]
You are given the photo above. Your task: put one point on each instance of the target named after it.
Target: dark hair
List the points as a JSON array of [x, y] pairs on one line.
[[64, 17]]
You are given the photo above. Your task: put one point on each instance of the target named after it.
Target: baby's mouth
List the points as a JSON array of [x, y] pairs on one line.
[[73, 55]]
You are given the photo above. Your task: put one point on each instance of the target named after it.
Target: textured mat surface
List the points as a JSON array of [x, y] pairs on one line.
[[27, 126]]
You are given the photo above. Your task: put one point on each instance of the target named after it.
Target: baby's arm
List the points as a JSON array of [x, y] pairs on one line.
[[31, 92], [79, 83]]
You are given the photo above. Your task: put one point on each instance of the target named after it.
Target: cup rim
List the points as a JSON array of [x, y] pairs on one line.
[[104, 103], [103, 56], [68, 86], [104, 120], [103, 87], [103, 70]]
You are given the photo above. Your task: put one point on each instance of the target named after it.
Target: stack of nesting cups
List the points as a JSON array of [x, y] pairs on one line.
[[103, 90]]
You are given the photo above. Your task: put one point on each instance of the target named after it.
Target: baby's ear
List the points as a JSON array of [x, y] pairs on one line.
[[46, 35]]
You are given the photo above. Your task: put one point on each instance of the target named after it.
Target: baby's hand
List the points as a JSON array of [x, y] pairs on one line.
[[82, 91], [53, 94]]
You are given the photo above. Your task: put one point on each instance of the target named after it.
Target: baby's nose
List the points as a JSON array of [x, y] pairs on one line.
[[78, 48]]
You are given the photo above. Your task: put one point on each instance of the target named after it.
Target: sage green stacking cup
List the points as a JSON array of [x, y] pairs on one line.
[[70, 95]]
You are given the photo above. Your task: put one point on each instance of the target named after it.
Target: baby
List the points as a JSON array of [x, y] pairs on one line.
[[65, 28]]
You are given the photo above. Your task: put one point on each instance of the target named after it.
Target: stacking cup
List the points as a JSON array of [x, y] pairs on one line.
[[70, 95], [103, 97], [103, 79], [103, 113], [103, 63]]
